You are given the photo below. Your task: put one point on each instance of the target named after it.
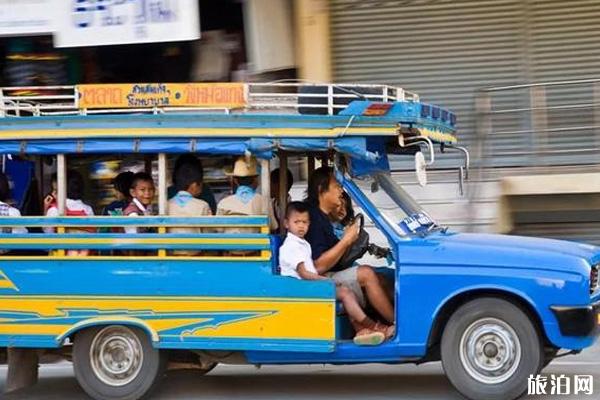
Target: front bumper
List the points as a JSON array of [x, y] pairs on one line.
[[578, 321]]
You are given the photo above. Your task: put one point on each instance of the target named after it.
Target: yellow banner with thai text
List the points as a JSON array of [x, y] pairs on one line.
[[149, 95]]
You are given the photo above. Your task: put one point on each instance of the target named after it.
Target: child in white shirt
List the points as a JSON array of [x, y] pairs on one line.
[[295, 260], [7, 210]]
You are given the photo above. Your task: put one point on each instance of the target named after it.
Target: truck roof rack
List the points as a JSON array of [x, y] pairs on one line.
[[157, 98]]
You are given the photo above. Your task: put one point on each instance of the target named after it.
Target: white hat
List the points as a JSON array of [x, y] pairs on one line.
[[244, 166]]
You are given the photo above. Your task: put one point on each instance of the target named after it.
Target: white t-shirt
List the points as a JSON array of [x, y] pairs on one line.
[[73, 205], [292, 252], [8, 211]]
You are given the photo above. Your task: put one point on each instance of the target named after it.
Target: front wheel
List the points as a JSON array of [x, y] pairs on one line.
[[489, 349], [116, 362]]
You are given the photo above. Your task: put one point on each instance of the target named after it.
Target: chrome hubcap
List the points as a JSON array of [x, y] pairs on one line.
[[490, 350], [116, 356]]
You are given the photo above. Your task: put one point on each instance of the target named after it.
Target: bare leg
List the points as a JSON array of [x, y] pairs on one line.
[[387, 286], [355, 312], [375, 292]]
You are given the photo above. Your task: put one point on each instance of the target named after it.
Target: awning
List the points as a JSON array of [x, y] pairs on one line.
[[355, 147]]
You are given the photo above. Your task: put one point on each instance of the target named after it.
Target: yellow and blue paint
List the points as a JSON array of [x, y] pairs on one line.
[[204, 302]]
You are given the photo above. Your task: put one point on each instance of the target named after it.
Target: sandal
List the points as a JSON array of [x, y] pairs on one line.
[[387, 330], [368, 337]]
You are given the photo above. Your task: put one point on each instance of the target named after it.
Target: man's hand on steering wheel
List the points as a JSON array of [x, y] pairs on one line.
[[352, 231]]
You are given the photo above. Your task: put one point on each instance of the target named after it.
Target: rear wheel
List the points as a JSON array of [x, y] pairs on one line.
[[489, 349], [116, 362]]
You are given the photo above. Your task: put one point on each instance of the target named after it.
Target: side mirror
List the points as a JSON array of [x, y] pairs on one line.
[[374, 187], [421, 168]]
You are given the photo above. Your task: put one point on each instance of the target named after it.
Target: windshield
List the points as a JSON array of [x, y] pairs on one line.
[[398, 208]]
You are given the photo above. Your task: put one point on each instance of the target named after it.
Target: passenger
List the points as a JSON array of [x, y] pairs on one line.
[[121, 185], [277, 211], [75, 207], [342, 216], [185, 204], [6, 210], [50, 199], [142, 195], [295, 258], [324, 197], [206, 194], [245, 200]]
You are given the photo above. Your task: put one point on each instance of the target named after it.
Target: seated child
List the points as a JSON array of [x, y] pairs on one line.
[[185, 203], [295, 259], [343, 215], [121, 184], [6, 210], [142, 195], [75, 207]]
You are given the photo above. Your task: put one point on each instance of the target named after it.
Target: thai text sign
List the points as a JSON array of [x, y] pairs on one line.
[[106, 22], [20, 17], [141, 95]]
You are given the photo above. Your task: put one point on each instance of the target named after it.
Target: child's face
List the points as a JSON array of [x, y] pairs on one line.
[[298, 223], [340, 211], [143, 191]]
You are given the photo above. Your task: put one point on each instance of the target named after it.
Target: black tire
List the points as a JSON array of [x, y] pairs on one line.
[[132, 350], [486, 334]]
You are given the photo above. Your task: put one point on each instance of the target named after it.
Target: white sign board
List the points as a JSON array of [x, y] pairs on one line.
[[25, 17], [105, 22]]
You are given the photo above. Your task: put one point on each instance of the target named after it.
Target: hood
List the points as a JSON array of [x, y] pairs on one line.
[[512, 251]]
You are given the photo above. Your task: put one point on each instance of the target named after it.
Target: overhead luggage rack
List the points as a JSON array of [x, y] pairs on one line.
[[157, 98]]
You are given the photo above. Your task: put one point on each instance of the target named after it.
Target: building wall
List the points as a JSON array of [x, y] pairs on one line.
[[446, 50]]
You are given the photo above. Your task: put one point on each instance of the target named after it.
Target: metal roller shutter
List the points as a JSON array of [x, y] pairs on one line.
[[442, 50], [446, 50]]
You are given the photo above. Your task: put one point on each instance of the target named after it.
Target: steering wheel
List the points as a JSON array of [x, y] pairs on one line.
[[359, 247]]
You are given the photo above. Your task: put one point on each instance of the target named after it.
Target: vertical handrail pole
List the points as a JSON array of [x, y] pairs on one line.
[[330, 99], [61, 192], [162, 195], [283, 193], [61, 183], [265, 186]]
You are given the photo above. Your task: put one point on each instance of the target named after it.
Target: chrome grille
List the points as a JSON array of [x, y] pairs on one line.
[[594, 278]]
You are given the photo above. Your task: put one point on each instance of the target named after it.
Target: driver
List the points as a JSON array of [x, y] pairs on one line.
[[324, 197]]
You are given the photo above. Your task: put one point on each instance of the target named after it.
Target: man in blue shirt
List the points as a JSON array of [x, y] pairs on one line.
[[323, 196]]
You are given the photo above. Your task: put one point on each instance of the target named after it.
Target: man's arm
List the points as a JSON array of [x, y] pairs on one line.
[[311, 276], [328, 259]]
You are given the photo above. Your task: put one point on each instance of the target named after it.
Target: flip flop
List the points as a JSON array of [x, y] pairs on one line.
[[367, 337]]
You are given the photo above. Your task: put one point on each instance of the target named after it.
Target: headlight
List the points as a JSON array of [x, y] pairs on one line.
[[594, 278]]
